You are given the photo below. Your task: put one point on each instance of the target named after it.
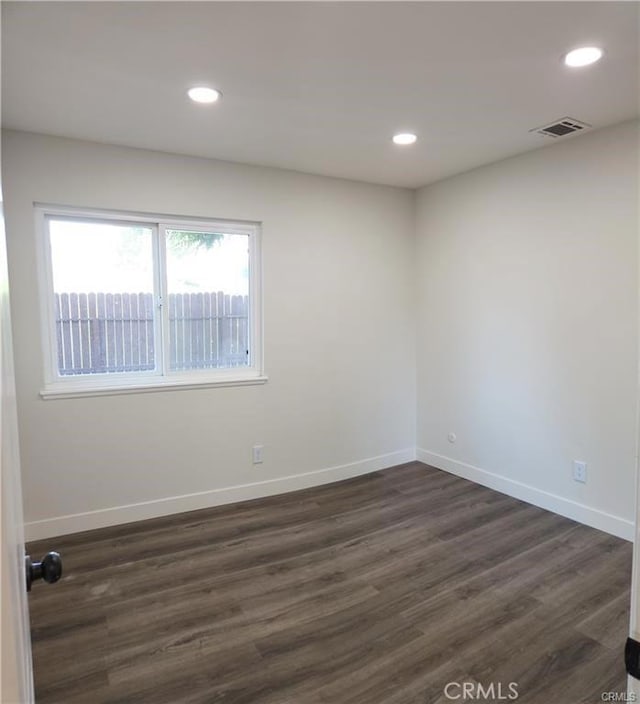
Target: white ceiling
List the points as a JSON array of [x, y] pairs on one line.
[[319, 87]]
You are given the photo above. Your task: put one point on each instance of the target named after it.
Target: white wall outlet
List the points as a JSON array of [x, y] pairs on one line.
[[257, 454], [580, 471], [452, 437]]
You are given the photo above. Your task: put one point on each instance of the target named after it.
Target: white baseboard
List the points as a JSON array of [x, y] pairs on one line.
[[595, 518], [116, 515], [77, 522]]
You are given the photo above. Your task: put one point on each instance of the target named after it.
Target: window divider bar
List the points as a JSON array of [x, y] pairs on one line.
[[163, 341]]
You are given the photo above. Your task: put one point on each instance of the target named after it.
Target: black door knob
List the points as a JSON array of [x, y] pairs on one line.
[[49, 569]]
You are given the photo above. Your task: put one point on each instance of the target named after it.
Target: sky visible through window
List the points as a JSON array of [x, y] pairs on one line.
[[98, 257]]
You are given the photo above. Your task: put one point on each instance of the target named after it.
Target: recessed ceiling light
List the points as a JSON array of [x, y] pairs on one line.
[[201, 94], [404, 138], [583, 56]]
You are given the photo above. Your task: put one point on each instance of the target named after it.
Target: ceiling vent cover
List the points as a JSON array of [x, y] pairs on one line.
[[562, 127]]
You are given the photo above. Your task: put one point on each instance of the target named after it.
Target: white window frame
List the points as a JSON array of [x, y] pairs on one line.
[[161, 378]]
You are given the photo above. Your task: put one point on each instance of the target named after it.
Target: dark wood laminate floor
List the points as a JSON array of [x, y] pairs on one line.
[[376, 590]]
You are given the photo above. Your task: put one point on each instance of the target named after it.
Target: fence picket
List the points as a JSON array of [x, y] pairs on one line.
[[75, 331], [100, 328], [83, 333], [206, 329], [135, 331], [118, 333], [149, 339], [63, 332], [219, 315], [185, 332], [110, 332], [94, 338], [196, 335]]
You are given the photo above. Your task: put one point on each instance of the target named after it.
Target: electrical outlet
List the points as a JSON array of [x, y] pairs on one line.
[[257, 454], [580, 471]]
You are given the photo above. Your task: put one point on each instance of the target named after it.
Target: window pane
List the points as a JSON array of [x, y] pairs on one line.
[[103, 295], [208, 288]]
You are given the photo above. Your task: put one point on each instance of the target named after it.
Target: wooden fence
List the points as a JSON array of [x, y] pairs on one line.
[[114, 332]]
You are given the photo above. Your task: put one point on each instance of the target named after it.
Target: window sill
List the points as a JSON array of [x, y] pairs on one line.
[[71, 390]]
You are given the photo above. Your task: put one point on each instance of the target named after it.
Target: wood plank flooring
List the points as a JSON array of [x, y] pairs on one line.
[[377, 590]]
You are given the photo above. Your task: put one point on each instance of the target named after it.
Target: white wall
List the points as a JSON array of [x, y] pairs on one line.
[[527, 325], [339, 341]]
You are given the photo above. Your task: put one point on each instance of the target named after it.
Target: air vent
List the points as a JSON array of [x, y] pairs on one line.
[[562, 127]]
